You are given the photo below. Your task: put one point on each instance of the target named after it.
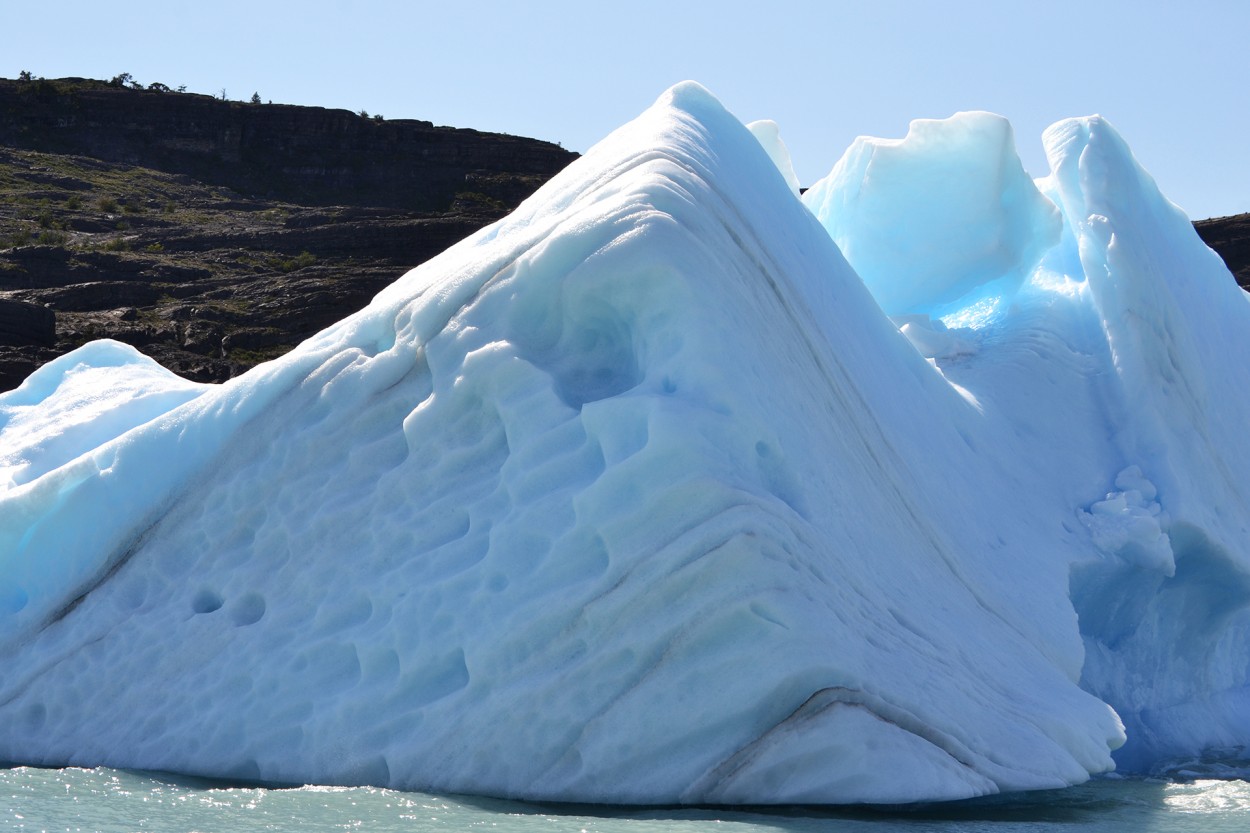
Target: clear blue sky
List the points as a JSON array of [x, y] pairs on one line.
[[1172, 77]]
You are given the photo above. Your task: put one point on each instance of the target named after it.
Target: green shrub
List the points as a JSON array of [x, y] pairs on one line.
[[303, 260], [107, 204]]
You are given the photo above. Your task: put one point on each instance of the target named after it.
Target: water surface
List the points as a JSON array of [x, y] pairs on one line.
[[109, 800]]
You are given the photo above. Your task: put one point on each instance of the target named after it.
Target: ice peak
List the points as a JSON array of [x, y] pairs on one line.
[[936, 220], [690, 96], [769, 136]]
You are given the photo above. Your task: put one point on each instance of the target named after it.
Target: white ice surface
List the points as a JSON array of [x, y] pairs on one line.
[[769, 136], [639, 496], [80, 401]]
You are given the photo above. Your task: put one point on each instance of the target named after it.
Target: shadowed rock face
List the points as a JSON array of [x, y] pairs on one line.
[[1230, 238], [214, 234]]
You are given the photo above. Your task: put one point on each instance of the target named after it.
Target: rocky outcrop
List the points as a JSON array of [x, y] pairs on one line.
[[1230, 238], [23, 323]]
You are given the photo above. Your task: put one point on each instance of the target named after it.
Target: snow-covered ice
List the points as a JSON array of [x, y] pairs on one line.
[[639, 495]]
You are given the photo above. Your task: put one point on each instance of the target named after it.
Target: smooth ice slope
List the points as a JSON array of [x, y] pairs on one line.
[[769, 136], [638, 496]]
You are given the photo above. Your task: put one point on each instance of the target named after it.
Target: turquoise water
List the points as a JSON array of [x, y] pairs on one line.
[[112, 800]]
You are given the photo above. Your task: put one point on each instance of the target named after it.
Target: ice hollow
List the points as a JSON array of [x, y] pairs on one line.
[[639, 496]]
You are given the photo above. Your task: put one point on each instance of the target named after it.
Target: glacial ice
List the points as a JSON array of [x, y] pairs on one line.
[[934, 221], [768, 133], [639, 496]]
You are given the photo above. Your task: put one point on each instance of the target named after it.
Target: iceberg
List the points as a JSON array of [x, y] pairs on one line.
[[640, 496]]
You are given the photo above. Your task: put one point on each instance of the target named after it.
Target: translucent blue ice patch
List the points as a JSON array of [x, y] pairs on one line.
[[983, 313]]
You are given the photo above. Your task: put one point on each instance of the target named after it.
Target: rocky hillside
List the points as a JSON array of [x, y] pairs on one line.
[[214, 234], [1230, 236]]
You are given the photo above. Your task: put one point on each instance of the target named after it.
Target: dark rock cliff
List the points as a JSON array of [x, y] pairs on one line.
[[1230, 238], [304, 155]]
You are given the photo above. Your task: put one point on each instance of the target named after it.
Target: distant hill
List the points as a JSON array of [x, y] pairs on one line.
[[304, 155], [216, 234]]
